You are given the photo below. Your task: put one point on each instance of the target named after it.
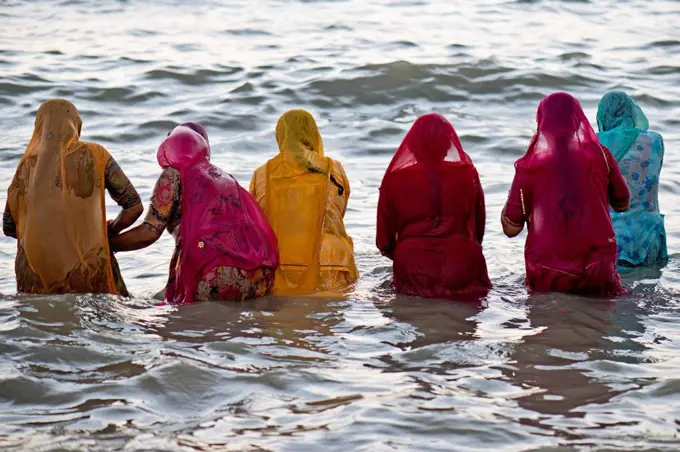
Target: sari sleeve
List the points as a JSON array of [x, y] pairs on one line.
[[165, 201], [619, 194], [119, 186], [16, 189], [480, 214], [9, 226], [515, 211], [386, 237]]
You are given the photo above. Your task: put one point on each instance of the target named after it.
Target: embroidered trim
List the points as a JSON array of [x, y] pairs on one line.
[[606, 162]]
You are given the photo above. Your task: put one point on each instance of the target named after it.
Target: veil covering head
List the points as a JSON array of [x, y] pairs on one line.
[[299, 140], [620, 121], [431, 141], [198, 128], [184, 147], [432, 146], [562, 128], [57, 201]]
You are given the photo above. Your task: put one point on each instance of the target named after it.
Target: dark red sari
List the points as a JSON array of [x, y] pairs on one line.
[[431, 215], [563, 187]]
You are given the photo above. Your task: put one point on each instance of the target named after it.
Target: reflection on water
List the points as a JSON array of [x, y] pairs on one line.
[[368, 370], [84, 368]]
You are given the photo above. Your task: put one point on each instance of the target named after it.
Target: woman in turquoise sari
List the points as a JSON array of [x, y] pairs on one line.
[[640, 231]]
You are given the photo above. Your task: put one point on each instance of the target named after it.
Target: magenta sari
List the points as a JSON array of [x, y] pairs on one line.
[[563, 187], [221, 223]]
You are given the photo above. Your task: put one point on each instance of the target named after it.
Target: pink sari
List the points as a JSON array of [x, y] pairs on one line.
[[562, 188], [221, 223]]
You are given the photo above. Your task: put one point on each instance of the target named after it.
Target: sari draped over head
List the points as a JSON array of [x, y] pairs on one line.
[[57, 201], [562, 187], [431, 214], [304, 195], [620, 121], [221, 223], [640, 231]]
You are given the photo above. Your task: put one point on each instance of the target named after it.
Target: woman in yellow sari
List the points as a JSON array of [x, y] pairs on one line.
[[56, 208], [304, 195]]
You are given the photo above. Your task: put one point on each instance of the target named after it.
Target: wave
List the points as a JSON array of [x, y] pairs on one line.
[[198, 77]]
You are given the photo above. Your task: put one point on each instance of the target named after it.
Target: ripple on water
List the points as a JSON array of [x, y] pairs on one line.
[[251, 32], [198, 77]]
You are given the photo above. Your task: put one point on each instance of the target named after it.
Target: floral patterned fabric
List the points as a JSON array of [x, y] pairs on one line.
[[231, 283], [640, 231], [220, 283]]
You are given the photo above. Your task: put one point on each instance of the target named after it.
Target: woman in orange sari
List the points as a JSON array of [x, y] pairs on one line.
[[56, 208], [304, 195]]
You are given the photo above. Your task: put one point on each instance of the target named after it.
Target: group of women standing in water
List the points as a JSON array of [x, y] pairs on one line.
[[590, 202]]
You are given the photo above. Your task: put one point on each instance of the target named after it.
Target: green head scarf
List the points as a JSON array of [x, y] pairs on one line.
[[620, 121]]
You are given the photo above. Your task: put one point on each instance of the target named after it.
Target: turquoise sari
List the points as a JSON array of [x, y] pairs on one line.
[[640, 231]]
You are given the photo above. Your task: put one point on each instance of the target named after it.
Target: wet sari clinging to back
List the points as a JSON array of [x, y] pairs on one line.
[[57, 206], [562, 188], [305, 195]]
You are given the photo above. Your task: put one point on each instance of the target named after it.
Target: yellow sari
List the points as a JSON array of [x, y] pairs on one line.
[[57, 201], [304, 195]]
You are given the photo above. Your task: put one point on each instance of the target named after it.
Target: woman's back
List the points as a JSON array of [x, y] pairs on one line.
[[566, 199], [409, 192], [641, 166]]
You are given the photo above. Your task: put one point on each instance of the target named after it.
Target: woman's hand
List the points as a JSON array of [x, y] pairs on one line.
[[509, 228], [135, 239]]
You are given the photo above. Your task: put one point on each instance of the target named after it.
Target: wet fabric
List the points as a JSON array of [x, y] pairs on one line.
[[221, 225], [431, 215], [305, 195], [640, 231], [562, 188], [619, 120], [231, 283], [57, 202]]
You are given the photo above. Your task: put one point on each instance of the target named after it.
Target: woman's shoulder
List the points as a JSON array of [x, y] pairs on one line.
[[336, 165], [170, 177], [93, 147], [651, 135]]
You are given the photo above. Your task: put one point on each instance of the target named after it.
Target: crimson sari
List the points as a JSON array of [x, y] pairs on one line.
[[431, 215], [563, 187]]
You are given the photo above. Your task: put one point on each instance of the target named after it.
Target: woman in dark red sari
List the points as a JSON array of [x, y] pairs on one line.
[[431, 215], [562, 189]]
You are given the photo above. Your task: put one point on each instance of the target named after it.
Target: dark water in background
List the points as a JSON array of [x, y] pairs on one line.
[[370, 371]]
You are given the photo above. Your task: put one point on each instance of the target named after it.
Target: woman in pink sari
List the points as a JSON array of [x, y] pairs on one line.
[[225, 248], [562, 189]]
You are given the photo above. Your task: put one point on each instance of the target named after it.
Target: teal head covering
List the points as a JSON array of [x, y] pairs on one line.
[[620, 121]]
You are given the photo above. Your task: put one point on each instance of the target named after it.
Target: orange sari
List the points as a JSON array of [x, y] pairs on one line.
[[304, 196], [57, 201]]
